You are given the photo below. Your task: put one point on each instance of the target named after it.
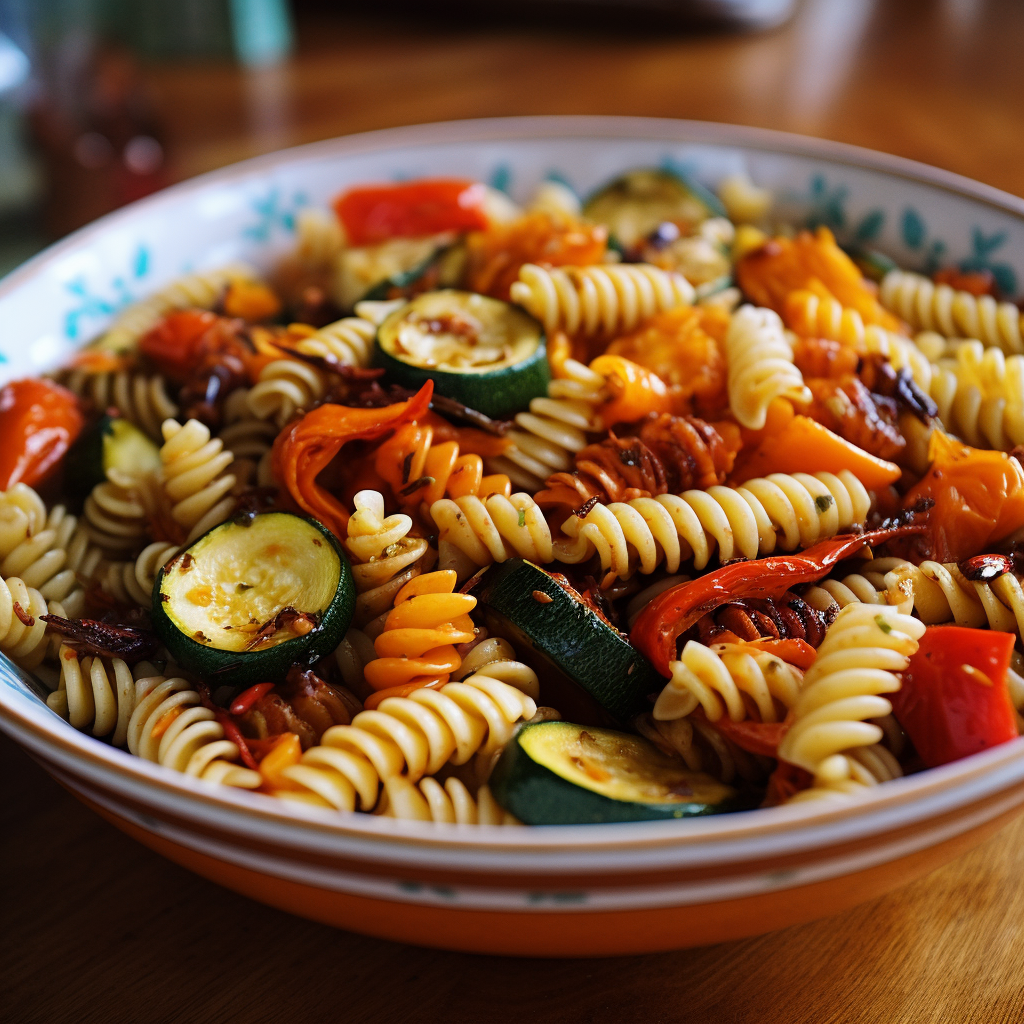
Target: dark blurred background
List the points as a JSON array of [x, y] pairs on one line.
[[104, 101]]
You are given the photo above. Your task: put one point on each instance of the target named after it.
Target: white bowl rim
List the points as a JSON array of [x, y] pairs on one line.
[[916, 797]]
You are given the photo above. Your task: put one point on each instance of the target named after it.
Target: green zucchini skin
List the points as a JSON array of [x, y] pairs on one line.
[[608, 679], [537, 795], [497, 393], [447, 264], [635, 203], [109, 443], [223, 668]]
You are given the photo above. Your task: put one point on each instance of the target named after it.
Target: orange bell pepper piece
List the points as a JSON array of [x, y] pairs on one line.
[[39, 421], [304, 448], [635, 390], [978, 495], [805, 446]]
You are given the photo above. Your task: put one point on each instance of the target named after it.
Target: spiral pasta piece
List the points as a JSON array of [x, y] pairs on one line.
[[760, 365], [728, 679], [417, 645], [980, 395], [117, 513], [346, 342], [781, 511], [140, 398], [943, 594], [249, 439], [132, 582], [169, 725], [491, 530], [384, 557], [555, 428], [56, 560], [599, 299], [869, 585], [451, 803], [938, 307], [704, 749], [811, 315], [193, 291], [860, 659], [867, 766], [22, 632], [285, 387], [194, 477], [418, 470], [318, 236], [407, 737]]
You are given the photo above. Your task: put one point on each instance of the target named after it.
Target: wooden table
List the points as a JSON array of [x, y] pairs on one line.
[[97, 928]]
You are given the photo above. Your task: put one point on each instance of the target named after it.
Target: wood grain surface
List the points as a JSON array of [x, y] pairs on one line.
[[97, 928]]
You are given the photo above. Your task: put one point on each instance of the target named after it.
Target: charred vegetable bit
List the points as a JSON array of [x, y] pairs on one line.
[[103, 639]]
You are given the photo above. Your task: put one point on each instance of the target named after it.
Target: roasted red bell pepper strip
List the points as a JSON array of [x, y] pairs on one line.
[[303, 449], [953, 700], [411, 209], [797, 652], [247, 698], [761, 738], [176, 343], [39, 421], [673, 612]]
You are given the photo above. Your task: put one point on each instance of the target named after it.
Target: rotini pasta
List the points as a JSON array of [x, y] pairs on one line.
[[943, 594], [779, 511], [420, 470], [860, 659], [193, 291], [319, 237], [417, 644], [599, 299], [554, 429], [132, 582], [492, 529], [451, 803], [703, 748], [811, 315], [346, 342], [195, 480], [869, 585], [117, 513], [980, 395], [761, 366], [140, 398], [407, 737], [22, 631], [728, 680], [956, 314], [285, 387], [385, 558], [169, 725]]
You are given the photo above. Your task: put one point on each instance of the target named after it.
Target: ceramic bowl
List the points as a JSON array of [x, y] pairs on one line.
[[581, 890]]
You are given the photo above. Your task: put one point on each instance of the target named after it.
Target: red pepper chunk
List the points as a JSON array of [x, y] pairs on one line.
[[175, 344], [411, 209], [953, 700], [660, 625], [39, 421]]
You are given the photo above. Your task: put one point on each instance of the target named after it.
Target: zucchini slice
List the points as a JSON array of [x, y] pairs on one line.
[[254, 596], [360, 271], [487, 354], [633, 205], [110, 443], [592, 674], [557, 773], [443, 268]]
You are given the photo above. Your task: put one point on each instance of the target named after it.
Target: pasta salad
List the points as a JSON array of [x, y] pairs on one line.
[[647, 506]]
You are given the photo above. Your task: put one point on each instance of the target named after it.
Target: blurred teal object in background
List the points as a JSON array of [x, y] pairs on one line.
[[255, 32]]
